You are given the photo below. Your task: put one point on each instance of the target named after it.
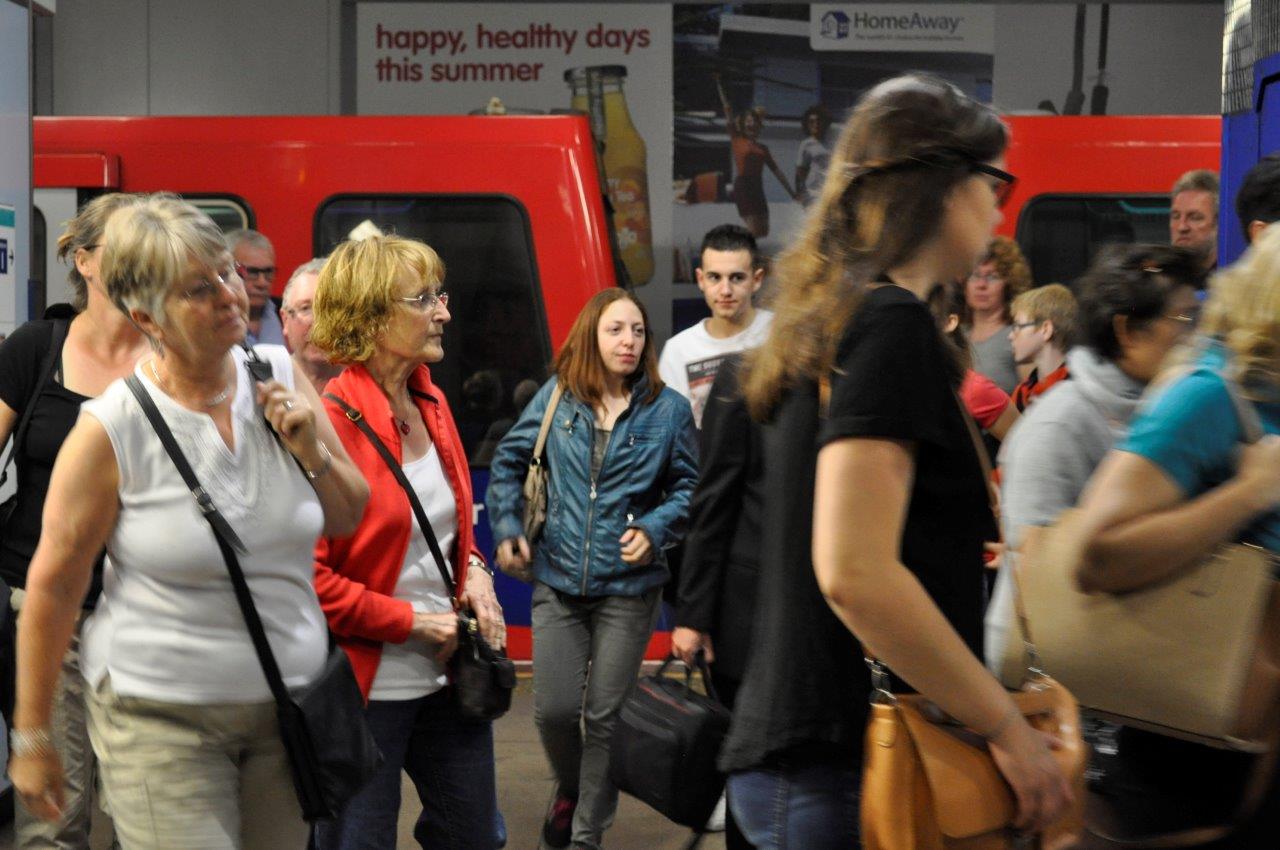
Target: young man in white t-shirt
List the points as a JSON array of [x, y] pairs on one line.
[[729, 276]]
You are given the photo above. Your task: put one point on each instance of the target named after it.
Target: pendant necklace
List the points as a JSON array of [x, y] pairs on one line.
[[402, 424], [213, 402]]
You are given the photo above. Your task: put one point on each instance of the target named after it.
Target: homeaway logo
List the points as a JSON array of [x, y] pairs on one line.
[[835, 25], [903, 27], [907, 24]]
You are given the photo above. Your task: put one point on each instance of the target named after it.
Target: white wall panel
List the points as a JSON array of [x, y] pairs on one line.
[[15, 162]]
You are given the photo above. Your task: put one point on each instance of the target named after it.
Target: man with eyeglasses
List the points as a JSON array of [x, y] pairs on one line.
[[255, 254], [296, 319]]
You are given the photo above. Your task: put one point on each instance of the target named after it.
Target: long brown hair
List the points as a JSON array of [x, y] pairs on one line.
[[908, 142], [579, 367]]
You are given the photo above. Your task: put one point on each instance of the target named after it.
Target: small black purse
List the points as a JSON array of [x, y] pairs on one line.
[[482, 678], [326, 735]]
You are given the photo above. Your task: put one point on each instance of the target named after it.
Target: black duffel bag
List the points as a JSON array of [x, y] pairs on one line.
[[665, 745]]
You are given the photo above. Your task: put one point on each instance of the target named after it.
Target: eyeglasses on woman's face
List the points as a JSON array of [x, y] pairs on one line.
[[208, 286], [426, 301]]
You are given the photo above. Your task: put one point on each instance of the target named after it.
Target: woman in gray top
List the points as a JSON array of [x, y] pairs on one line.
[[1002, 275], [1136, 303]]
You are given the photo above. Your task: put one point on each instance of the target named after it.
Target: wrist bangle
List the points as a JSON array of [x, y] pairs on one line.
[[476, 563], [313, 474], [31, 742]]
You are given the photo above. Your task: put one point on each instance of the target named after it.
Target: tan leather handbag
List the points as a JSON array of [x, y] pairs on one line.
[[535, 480], [1193, 657], [929, 783]]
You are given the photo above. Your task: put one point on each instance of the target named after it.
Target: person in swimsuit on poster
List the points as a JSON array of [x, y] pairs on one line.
[[749, 160]]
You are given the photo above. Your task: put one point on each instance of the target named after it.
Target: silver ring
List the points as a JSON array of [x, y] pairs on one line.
[[288, 404]]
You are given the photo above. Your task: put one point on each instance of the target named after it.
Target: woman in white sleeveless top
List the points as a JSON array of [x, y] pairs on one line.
[[181, 717]]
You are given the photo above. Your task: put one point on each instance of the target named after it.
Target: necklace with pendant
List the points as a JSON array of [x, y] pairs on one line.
[[402, 424], [212, 402]]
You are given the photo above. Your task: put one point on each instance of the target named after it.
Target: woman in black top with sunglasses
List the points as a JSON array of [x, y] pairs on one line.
[[892, 503]]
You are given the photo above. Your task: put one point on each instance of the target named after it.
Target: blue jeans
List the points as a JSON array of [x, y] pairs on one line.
[[449, 760], [796, 804]]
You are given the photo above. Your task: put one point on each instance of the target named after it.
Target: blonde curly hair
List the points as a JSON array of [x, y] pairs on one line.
[[356, 292], [1243, 312]]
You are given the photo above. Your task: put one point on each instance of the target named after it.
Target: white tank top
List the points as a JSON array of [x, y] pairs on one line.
[[408, 670], [167, 626]]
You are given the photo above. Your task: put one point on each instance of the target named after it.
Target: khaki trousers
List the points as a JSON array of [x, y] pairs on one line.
[[197, 777]]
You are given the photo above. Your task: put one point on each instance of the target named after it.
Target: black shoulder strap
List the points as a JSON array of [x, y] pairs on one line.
[[228, 542], [58, 337], [425, 524]]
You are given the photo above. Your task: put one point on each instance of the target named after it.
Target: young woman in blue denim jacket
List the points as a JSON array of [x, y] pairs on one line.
[[622, 460]]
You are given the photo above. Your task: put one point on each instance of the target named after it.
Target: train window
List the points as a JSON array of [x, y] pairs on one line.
[[1061, 233], [229, 213], [496, 345]]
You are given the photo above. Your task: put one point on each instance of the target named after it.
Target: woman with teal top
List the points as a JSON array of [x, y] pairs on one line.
[[1180, 484]]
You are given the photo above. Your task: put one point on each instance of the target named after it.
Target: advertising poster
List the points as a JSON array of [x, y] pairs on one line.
[[612, 61], [759, 95]]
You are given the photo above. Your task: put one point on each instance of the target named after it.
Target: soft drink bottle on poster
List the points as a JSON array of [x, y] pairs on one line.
[[598, 91]]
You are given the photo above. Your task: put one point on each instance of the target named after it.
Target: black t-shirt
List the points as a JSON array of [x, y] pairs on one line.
[[895, 379], [55, 412], [807, 688]]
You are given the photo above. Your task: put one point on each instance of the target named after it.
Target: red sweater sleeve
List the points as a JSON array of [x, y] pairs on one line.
[[985, 400], [355, 611]]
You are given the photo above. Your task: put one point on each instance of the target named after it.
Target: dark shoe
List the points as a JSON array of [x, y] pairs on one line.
[[558, 827]]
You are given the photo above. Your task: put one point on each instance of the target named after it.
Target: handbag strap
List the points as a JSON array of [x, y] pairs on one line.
[[539, 446], [57, 337], [228, 542], [357, 418], [993, 500]]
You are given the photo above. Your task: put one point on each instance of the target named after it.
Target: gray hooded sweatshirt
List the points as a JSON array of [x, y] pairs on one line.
[[1048, 458]]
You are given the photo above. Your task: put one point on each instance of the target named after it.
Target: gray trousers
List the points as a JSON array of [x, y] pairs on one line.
[[586, 654], [70, 731]]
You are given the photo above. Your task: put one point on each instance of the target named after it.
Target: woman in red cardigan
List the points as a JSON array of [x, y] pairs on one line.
[[379, 310]]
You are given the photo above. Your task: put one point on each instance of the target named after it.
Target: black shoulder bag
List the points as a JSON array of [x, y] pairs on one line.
[[8, 622], [482, 677], [332, 753], [58, 337]]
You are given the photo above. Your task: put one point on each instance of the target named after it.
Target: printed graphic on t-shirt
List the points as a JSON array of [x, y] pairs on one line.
[[701, 374]]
